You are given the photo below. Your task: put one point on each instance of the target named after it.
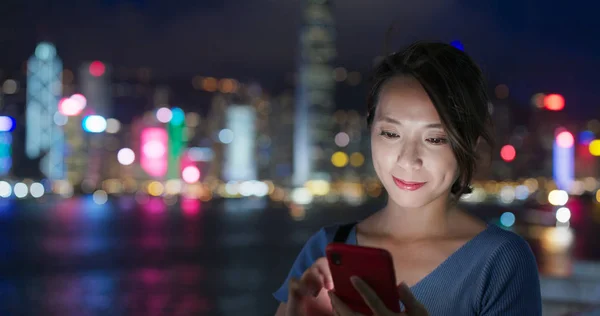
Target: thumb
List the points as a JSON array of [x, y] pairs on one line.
[[407, 298]]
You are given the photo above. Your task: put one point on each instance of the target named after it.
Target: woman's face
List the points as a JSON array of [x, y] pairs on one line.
[[411, 153]]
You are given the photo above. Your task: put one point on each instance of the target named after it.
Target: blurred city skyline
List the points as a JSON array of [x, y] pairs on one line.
[[534, 47]]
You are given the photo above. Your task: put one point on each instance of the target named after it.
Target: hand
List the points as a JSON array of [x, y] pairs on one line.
[[413, 307], [307, 295]]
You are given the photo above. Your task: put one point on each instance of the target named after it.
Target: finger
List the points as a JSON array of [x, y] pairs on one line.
[[312, 280], [407, 298], [339, 307], [369, 296], [322, 267]]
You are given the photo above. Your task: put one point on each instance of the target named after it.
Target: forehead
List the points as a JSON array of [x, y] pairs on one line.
[[404, 98]]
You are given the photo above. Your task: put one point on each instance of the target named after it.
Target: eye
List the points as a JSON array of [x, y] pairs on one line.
[[437, 140], [389, 134]]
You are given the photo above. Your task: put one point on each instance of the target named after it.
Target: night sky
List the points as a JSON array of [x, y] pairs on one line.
[[532, 46]]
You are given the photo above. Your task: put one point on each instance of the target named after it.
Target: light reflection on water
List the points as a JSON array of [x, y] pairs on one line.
[[144, 291], [192, 258]]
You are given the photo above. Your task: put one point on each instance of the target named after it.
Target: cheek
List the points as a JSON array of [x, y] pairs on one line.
[[445, 164], [380, 152]]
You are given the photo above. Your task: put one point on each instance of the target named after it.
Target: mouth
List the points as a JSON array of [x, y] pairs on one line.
[[408, 185]]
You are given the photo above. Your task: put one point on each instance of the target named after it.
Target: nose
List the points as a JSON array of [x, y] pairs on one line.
[[409, 157]]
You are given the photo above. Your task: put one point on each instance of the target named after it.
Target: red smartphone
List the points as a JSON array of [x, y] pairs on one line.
[[373, 265]]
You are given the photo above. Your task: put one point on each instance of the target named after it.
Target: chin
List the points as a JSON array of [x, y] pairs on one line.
[[409, 203], [412, 199]]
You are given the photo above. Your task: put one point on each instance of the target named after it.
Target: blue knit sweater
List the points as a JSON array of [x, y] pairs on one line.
[[495, 273]]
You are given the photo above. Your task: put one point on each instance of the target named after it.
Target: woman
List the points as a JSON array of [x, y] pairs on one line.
[[427, 112]]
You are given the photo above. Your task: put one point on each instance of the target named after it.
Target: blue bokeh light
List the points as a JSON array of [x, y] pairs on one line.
[[458, 44]]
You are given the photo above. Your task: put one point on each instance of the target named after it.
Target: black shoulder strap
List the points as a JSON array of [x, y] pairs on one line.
[[341, 235]]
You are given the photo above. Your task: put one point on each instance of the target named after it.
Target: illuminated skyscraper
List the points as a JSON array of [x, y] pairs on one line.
[[314, 92], [240, 137], [95, 85], [282, 145], [177, 142], [44, 89]]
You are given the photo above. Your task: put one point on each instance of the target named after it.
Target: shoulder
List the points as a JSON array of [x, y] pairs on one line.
[[504, 243], [509, 278]]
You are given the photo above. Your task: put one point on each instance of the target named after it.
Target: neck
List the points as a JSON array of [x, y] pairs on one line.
[[429, 221]]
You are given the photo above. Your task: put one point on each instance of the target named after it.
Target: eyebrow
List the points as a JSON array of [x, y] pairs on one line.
[[395, 121]]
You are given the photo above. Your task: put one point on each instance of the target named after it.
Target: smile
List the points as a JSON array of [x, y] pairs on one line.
[[408, 185]]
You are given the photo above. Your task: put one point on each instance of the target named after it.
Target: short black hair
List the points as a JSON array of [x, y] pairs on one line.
[[456, 87]]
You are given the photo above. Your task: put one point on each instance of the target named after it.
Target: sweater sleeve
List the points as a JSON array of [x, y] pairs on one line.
[[510, 284]]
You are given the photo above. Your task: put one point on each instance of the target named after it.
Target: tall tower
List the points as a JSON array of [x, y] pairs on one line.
[[95, 85], [44, 88], [314, 92]]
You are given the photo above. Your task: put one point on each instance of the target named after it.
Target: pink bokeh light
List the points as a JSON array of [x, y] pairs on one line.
[[153, 149]]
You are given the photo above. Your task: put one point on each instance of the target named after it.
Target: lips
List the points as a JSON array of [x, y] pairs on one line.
[[408, 185]]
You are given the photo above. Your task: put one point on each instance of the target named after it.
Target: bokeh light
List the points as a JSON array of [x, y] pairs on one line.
[[178, 116], [5, 189], [537, 100], [112, 126], [190, 174], [508, 153], [80, 99], [339, 159], [97, 68], [154, 149], [10, 86], [192, 119], [507, 194], [595, 147], [357, 159], [7, 124], [94, 124], [226, 136], [153, 158], [209, 84], [155, 188], [558, 197], [586, 137], [37, 190], [164, 115], [458, 44], [554, 102], [100, 197], [318, 187], [342, 139], [565, 139], [563, 214], [126, 156], [72, 106], [507, 219], [21, 190]]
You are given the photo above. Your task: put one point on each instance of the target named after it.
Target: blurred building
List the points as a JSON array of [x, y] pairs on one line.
[[227, 109], [281, 147], [44, 88], [76, 154], [12, 104], [240, 136], [314, 91]]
